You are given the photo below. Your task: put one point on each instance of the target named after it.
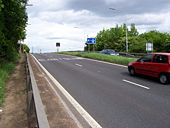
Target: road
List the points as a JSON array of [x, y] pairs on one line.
[[109, 94]]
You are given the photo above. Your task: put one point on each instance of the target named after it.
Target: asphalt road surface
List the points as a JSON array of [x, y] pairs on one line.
[[109, 94]]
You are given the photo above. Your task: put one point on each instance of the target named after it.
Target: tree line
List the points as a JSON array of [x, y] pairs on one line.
[[13, 21], [115, 38]]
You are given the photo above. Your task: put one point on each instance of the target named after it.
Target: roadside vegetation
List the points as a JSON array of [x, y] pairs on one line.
[[103, 57], [115, 38], [5, 70], [13, 21]]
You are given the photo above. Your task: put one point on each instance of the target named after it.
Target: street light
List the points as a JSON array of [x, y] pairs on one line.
[[29, 5], [127, 47], [113, 9]]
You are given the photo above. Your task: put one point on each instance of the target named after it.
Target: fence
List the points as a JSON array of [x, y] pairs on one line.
[[37, 117]]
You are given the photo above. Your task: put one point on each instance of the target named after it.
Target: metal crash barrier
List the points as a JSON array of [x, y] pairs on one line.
[[37, 117]]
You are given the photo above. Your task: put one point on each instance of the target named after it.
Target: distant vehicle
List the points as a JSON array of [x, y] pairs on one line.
[[155, 65], [109, 52]]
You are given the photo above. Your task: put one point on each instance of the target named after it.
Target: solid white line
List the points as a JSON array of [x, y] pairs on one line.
[[136, 84], [65, 106], [106, 63], [90, 120], [79, 65]]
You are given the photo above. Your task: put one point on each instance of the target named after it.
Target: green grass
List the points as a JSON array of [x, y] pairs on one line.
[[5, 70], [103, 57]]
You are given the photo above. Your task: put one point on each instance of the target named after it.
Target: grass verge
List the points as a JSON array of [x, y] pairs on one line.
[[103, 57], [5, 70]]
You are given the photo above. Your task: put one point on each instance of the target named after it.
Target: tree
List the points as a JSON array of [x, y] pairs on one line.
[[137, 45], [157, 38], [114, 38], [25, 48], [13, 19], [133, 31]]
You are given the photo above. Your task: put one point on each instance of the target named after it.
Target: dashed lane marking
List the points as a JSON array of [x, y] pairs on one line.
[[139, 85], [79, 65]]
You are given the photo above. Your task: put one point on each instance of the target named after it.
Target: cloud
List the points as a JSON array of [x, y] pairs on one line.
[[101, 7], [72, 21]]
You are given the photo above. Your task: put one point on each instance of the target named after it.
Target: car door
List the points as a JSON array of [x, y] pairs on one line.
[[143, 65]]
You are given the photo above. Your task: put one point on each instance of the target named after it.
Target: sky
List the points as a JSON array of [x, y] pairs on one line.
[[71, 22]]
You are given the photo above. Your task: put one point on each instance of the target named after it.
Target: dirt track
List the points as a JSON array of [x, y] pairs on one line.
[[14, 113], [14, 109]]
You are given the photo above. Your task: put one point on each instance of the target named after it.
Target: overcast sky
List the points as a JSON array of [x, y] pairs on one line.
[[70, 22]]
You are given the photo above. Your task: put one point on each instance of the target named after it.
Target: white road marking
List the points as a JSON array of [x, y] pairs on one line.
[[75, 58], [52, 59], [106, 63], [60, 58], [90, 120], [136, 84], [41, 59], [81, 58], [67, 59], [79, 65], [66, 107]]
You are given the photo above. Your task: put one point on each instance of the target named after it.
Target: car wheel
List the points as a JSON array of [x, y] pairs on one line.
[[163, 78], [131, 71]]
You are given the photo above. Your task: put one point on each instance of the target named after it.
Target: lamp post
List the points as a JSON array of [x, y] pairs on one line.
[[126, 39], [126, 31], [29, 5]]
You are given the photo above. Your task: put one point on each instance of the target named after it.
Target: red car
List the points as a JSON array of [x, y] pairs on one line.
[[154, 65]]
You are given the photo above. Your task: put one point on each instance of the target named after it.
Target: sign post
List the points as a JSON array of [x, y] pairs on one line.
[[149, 47], [57, 45], [91, 41]]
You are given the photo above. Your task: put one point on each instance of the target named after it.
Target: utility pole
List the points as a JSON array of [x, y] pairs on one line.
[[113, 9], [126, 39]]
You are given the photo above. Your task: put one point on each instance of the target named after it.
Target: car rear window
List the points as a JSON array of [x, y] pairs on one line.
[[160, 59]]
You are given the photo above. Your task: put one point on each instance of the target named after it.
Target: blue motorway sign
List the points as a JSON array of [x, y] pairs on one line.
[[91, 41]]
